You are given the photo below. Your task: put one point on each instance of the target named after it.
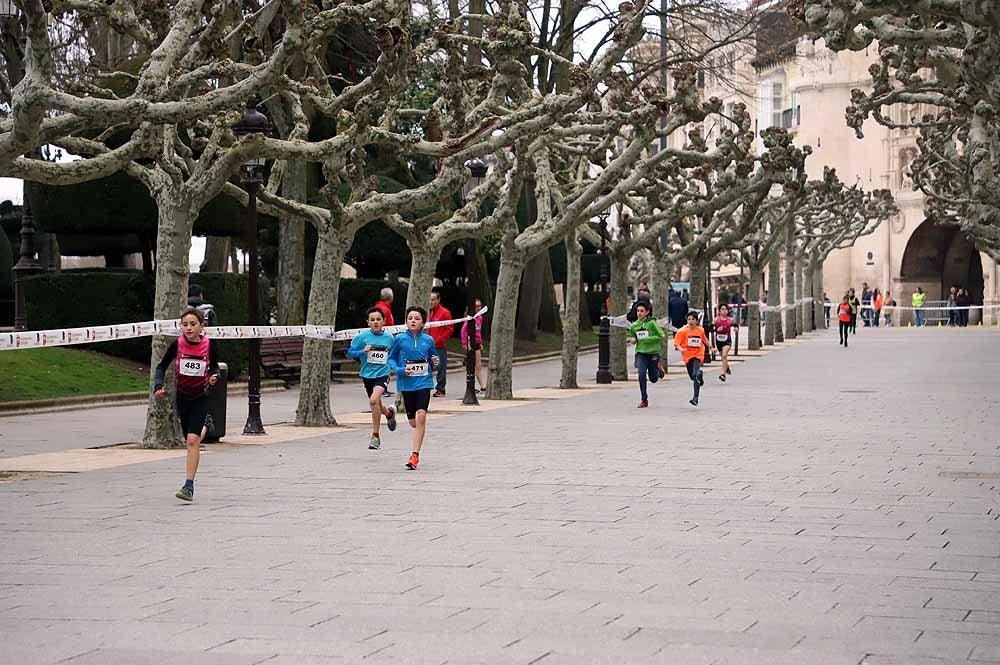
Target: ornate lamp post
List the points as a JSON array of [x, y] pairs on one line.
[[477, 173], [26, 263], [604, 334], [252, 177]]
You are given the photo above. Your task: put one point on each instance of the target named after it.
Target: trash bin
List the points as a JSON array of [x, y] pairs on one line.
[[217, 406]]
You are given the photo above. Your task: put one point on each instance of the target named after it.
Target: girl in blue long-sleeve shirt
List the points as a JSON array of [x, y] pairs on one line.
[[414, 358], [372, 348]]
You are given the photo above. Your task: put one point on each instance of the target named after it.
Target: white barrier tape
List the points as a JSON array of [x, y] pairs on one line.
[[69, 336], [932, 308]]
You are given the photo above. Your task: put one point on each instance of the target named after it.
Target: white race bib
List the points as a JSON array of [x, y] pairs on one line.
[[416, 369], [641, 334], [193, 367], [377, 357], [721, 338], [694, 342]]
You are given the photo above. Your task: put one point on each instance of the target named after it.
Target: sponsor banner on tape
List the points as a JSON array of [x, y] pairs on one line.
[[69, 336]]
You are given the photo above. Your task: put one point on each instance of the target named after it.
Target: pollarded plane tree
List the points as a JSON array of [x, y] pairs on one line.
[[939, 55]]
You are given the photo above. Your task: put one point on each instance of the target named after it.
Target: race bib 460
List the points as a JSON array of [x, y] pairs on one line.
[[377, 357]]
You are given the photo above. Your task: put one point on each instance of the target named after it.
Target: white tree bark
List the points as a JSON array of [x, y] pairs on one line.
[[292, 250], [753, 306], [571, 311], [619, 305], [502, 331], [773, 331], [423, 265], [819, 305], [790, 330]]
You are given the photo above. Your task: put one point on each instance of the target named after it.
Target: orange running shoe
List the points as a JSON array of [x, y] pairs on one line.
[[413, 461]]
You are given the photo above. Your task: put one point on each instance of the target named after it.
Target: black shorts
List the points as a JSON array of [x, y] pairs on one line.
[[378, 381], [416, 400], [722, 345], [193, 414]]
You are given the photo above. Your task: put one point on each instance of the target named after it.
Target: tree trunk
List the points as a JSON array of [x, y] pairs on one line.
[[478, 275], [571, 313], [699, 273], [805, 289], [216, 254], [790, 330], [530, 298], [799, 292], [586, 323], [772, 330], [753, 306], [423, 265], [819, 304], [661, 296], [548, 314], [173, 246], [499, 385], [292, 251], [314, 409], [619, 305]]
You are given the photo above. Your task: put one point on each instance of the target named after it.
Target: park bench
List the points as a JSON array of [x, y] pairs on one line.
[[281, 357]]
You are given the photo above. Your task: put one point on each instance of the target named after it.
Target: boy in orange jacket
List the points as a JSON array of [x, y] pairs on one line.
[[692, 341]]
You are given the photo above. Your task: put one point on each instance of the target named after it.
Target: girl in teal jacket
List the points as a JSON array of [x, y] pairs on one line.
[[414, 359]]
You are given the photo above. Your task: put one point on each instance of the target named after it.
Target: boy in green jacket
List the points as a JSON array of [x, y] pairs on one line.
[[647, 335]]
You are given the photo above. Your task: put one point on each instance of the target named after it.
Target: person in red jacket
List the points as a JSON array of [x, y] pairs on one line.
[[440, 334], [384, 303]]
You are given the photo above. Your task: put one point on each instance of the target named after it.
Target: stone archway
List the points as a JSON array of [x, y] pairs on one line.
[[938, 257]]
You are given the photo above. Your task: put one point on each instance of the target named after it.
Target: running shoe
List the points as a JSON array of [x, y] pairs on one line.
[[390, 418], [643, 404], [693, 402], [660, 369], [185, 493], [411, 464], [438, 393], [722, 377], [375, 443]]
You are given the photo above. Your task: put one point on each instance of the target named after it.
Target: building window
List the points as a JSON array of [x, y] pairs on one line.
[[777, 102]]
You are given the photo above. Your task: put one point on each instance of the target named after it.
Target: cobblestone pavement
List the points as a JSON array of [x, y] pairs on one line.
[[824, 506]]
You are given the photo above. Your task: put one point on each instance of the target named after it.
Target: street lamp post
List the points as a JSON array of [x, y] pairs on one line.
[[604, 334], [477, 173], [252, 177], [26, 263]]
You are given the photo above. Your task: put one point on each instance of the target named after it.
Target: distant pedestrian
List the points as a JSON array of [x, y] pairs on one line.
[[647, 335], [952, 304], [440, 334], [477, 339], [918, 306], [844, 317], [692, 341], [642, 295], [877, 303], [888, 305], [866, 304], [384, 303], [827, 306], [371, 347], [196, 367], [677, 310], [855, 306], [964, 301], [196, 299]]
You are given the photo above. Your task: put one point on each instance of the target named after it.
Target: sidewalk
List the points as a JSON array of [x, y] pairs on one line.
[[823, 507]]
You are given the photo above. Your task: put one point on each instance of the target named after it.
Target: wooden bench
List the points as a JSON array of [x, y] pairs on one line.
[[281, 357]]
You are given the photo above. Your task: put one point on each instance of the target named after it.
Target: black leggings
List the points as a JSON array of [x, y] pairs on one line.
[[694, 371], [845, 327]]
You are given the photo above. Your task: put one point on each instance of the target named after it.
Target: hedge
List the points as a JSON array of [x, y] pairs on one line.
[[74, 298]]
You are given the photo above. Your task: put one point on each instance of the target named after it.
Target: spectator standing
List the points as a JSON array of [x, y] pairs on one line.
[[918, 306], [827, 306], [855, 304], [440, 335], [642, 295], [888, 304], [964, 300], [877, 303], [196, 299], [384, 303], [952, 304], [478, 341], [866, 304], [677, 310]]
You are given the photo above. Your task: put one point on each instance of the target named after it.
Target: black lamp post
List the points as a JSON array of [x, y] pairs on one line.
[[604, 334], [26, 263], [252, 177], [477, 173]]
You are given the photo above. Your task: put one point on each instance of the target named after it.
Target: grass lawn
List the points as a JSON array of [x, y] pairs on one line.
[[59, 372]]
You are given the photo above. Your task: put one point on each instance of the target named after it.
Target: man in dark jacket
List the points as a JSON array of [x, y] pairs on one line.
[[196, 299], [677, 310], [642, 295]]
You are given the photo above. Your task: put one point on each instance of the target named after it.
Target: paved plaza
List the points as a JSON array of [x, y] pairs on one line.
[[825, 506]]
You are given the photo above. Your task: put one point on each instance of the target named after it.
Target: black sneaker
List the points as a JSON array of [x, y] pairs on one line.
[[722, 377], [693, 402], [660, 370], [185, 493], [729, 370]]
